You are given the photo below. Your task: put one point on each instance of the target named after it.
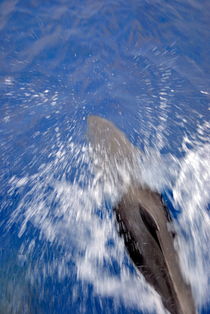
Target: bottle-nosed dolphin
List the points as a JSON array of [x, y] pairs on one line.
[[143, 222]]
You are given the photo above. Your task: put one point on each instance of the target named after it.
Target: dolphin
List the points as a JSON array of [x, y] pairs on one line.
[[143, 221]]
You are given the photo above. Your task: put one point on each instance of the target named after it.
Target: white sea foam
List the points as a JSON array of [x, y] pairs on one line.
[[191, 194], [66, 216], [84, 236]]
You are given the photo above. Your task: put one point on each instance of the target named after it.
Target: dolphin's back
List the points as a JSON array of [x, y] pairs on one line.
[[142, 220]]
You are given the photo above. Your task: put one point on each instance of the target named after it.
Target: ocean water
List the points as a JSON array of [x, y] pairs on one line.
[[145, 66]]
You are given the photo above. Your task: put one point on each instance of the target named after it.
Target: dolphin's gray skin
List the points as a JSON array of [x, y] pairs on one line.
[[143, 222]]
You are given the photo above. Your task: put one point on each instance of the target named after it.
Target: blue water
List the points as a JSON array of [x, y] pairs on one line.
[[144, 65]]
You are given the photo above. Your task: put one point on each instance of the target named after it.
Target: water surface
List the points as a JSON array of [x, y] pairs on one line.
[[145, 66]]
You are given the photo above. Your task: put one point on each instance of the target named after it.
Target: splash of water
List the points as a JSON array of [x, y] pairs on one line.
[[73, 214]]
